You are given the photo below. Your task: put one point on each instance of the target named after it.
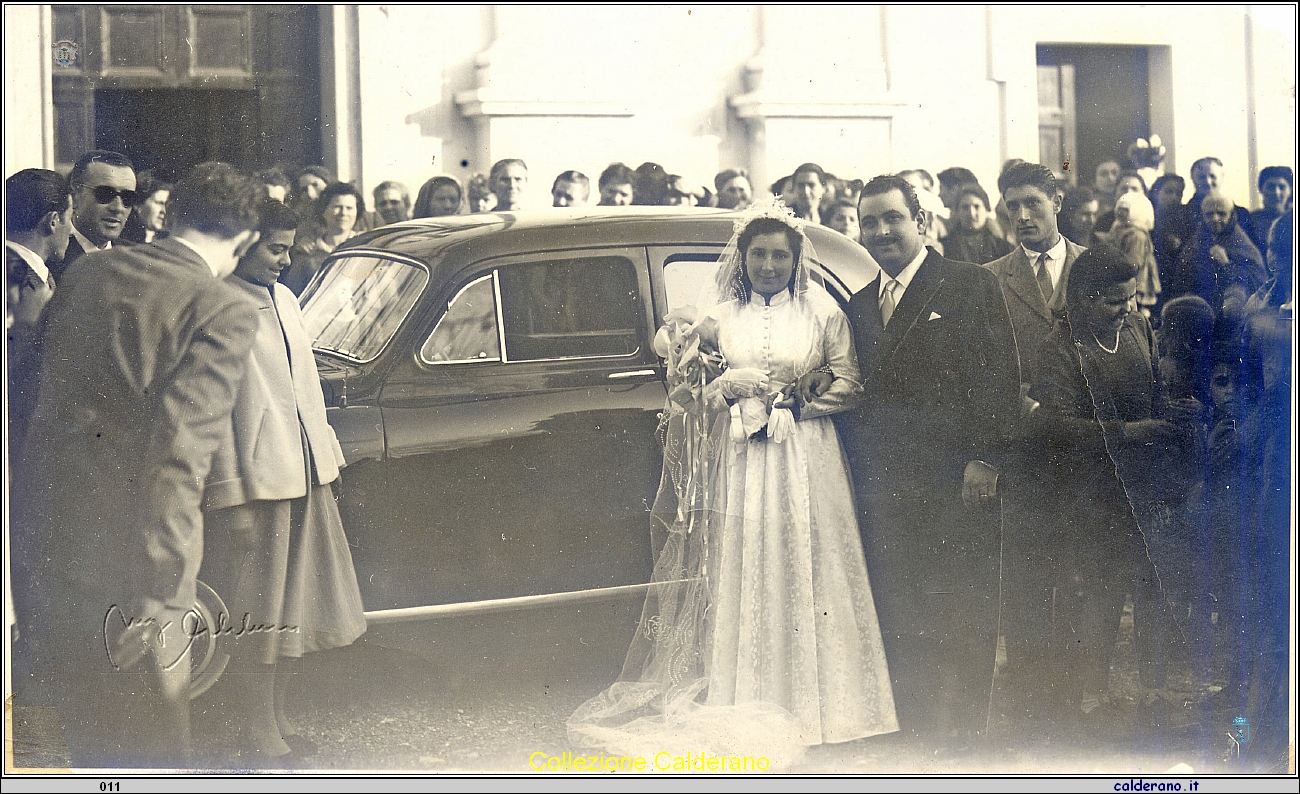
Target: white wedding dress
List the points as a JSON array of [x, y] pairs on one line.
[[794, 622], [759, 635]]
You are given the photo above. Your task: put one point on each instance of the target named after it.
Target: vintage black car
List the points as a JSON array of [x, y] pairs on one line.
[[492, 381]]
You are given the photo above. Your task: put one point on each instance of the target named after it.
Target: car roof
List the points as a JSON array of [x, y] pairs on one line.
[[467, 238]]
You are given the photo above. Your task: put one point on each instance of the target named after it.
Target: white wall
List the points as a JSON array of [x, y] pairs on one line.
[[28, 57], [964, 75]]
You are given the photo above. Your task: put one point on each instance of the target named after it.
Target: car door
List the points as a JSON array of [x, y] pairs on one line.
[[520, 434]]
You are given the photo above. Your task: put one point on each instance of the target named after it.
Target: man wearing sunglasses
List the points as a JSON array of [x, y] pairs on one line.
[[145, 348], [103, 192]]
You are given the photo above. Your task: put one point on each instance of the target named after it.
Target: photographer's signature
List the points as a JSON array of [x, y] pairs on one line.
[[193, 626]]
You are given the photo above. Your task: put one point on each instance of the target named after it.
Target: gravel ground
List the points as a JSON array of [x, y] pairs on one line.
[[482, 694]]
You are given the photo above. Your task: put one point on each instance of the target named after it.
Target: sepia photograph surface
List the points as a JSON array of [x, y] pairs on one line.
[[516, 463]]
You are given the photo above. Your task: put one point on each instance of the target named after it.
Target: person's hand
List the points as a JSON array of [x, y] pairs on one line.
[[813, 385], [1219, 254], [979, 484], [1184, 410], [1225, 444], [1027, 404], [786, 399], [742, 382]]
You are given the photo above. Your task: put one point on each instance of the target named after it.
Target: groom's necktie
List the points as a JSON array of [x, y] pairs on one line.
[[1044, 278], [887, 302]]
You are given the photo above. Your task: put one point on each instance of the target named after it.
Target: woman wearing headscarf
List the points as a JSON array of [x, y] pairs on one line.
[[438, 197]]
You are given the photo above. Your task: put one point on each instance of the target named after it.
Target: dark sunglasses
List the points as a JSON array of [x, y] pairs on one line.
[[105, 195]]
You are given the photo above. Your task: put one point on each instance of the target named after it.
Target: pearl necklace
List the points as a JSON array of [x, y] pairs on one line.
[[1110, 350]]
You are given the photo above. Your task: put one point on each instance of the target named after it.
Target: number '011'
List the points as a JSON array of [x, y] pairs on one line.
[[110, 786]]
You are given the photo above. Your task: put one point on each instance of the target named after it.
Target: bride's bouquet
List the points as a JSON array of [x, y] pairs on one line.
[[689, 344]]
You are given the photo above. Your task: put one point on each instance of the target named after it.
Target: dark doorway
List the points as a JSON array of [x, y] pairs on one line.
[[173, 129], [174, 85], [1111, 99]]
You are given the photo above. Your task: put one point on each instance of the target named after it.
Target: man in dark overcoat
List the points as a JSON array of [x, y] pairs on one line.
[[145, 348]]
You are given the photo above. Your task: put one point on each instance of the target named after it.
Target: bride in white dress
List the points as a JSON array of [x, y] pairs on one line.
[[759, 634]]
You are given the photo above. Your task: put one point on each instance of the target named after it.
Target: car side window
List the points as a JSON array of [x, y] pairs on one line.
[[570, 308], [469, 330], [686, 275]]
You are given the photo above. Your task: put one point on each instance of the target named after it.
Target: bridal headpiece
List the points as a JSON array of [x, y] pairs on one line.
[[773, 208]]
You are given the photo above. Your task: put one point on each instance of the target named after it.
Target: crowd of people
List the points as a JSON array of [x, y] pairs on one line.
[[1049, 404]]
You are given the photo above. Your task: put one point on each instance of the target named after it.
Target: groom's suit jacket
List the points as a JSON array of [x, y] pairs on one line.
[[942, 380]]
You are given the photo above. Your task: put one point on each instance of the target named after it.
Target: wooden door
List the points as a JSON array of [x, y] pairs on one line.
[[175, 85], [1056, 120]]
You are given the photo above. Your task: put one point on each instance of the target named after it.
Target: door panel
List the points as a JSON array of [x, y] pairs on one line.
[[506, 478]]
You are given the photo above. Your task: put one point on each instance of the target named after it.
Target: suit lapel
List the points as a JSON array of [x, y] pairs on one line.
[[1021, 281], [919, 293], [864, 317]]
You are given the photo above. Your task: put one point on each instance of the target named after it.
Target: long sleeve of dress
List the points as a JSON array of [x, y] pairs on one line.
[[842, 358]]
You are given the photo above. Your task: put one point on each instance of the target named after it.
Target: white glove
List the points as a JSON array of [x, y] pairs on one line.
[[742, 382], [780, 425]]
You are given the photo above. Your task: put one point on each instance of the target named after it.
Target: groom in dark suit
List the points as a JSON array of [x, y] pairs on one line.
[[942, 380]]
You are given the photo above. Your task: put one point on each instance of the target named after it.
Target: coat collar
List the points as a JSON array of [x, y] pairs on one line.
[[182, 251], [1020, 280]]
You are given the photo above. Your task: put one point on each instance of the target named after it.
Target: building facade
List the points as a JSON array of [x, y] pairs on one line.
[[406, 92]]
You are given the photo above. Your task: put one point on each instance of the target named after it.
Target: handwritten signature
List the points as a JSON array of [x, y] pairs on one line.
[[193, 626]]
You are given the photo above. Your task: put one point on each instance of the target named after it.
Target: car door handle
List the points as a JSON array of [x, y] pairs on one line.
[[636, 373]]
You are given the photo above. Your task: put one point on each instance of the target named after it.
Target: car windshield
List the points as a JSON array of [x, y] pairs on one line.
[[357, 302]]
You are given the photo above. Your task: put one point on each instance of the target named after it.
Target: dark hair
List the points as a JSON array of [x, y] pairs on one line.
[[723, 177], [1134, 174], [924, 174], [501, 165], [216, 198], [972, 190], [778, 187], [30, 195], [1283, 172], [1160, 183], [319, 171], [423, 207], [883, 184], [617, 174], [275, 176], [651, 185], [1075, 198], [765, 226], [957, 176], [1095, 270], [576, 177], [811, 168], [146, 184], [1186, 325], [829, 214], [1205, 162], [391, 184], [340, 189], [276, 217], [77, 176], [1028, 175]]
